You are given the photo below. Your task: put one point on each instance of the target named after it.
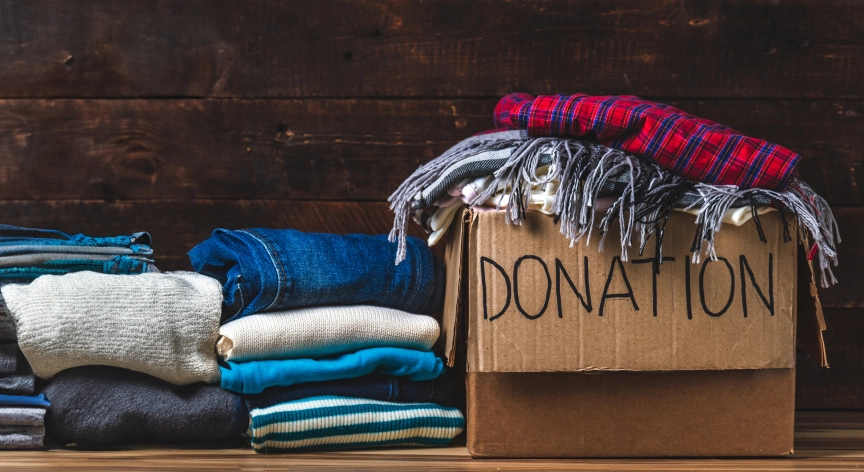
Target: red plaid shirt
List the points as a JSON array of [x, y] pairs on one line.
[[695, 148]]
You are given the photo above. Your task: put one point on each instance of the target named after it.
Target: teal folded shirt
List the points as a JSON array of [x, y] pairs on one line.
[[255, 376], [18, 400]]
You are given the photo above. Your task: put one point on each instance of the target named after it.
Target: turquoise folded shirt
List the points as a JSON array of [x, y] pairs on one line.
[[17, 400], [255, 376]]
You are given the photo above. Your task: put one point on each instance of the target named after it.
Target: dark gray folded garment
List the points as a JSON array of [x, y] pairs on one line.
[[7, 325], [22, 416], [8, 358], [23, 382], [97, 406], [21, 441], [25, 430], [18, 384]]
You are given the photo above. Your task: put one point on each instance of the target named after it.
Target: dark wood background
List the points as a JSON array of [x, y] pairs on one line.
[[180, 116]]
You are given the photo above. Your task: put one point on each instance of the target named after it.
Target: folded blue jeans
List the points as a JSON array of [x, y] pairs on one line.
[[37, 259], [18, 240], [27, 253], [270, 269], [375, 387], [255, 376], [114, 265]]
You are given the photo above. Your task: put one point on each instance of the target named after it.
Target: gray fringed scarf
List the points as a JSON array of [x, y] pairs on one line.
[[645, 193]]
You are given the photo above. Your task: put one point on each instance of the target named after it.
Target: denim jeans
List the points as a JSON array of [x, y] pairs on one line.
[[27, 253], [17, 240], [52, 258], [115, 265], [267, 269]]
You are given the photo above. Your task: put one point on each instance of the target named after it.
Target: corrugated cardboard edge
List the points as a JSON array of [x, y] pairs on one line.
[[454, 257]]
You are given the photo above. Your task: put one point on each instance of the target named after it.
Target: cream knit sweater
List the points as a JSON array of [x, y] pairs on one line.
[[322, 331], [165, 325]]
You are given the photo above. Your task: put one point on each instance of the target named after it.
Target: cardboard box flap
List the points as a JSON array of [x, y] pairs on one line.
[[535, 304], [453, 257]]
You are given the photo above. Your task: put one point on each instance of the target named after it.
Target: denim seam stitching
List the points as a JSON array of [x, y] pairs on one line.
[[275, 266], [281, 273], [414, 291]]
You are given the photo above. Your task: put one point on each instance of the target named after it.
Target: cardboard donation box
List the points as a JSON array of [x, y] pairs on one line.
[[573, 352]]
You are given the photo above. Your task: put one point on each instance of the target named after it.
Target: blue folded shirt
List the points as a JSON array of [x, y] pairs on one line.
[[255, 376], [16, 400], [269, 269]]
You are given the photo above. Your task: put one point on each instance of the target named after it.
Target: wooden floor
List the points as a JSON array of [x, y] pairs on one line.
[[823, 441]]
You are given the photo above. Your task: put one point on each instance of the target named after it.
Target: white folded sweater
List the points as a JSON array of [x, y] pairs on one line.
[[322, 331], [164, 325]]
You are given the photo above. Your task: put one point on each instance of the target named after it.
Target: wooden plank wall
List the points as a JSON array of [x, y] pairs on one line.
[[179, 116]]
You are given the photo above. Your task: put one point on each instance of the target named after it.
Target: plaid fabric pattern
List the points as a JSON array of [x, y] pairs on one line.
[[697, 149]]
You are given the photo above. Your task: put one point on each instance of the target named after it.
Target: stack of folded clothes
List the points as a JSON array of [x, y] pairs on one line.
[[22, 421], [27, 253], [329, 341], [127, 358], [16, 377], [22, 415]]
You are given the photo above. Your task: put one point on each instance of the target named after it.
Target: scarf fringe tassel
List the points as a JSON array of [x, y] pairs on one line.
[[646, 194]]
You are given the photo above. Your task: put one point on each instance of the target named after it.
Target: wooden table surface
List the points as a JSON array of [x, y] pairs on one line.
[[823, 441]]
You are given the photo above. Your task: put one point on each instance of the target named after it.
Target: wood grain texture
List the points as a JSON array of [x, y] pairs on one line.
[[840, 387], [223, 149], [432, 48], [827, 430], [327, 149]]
